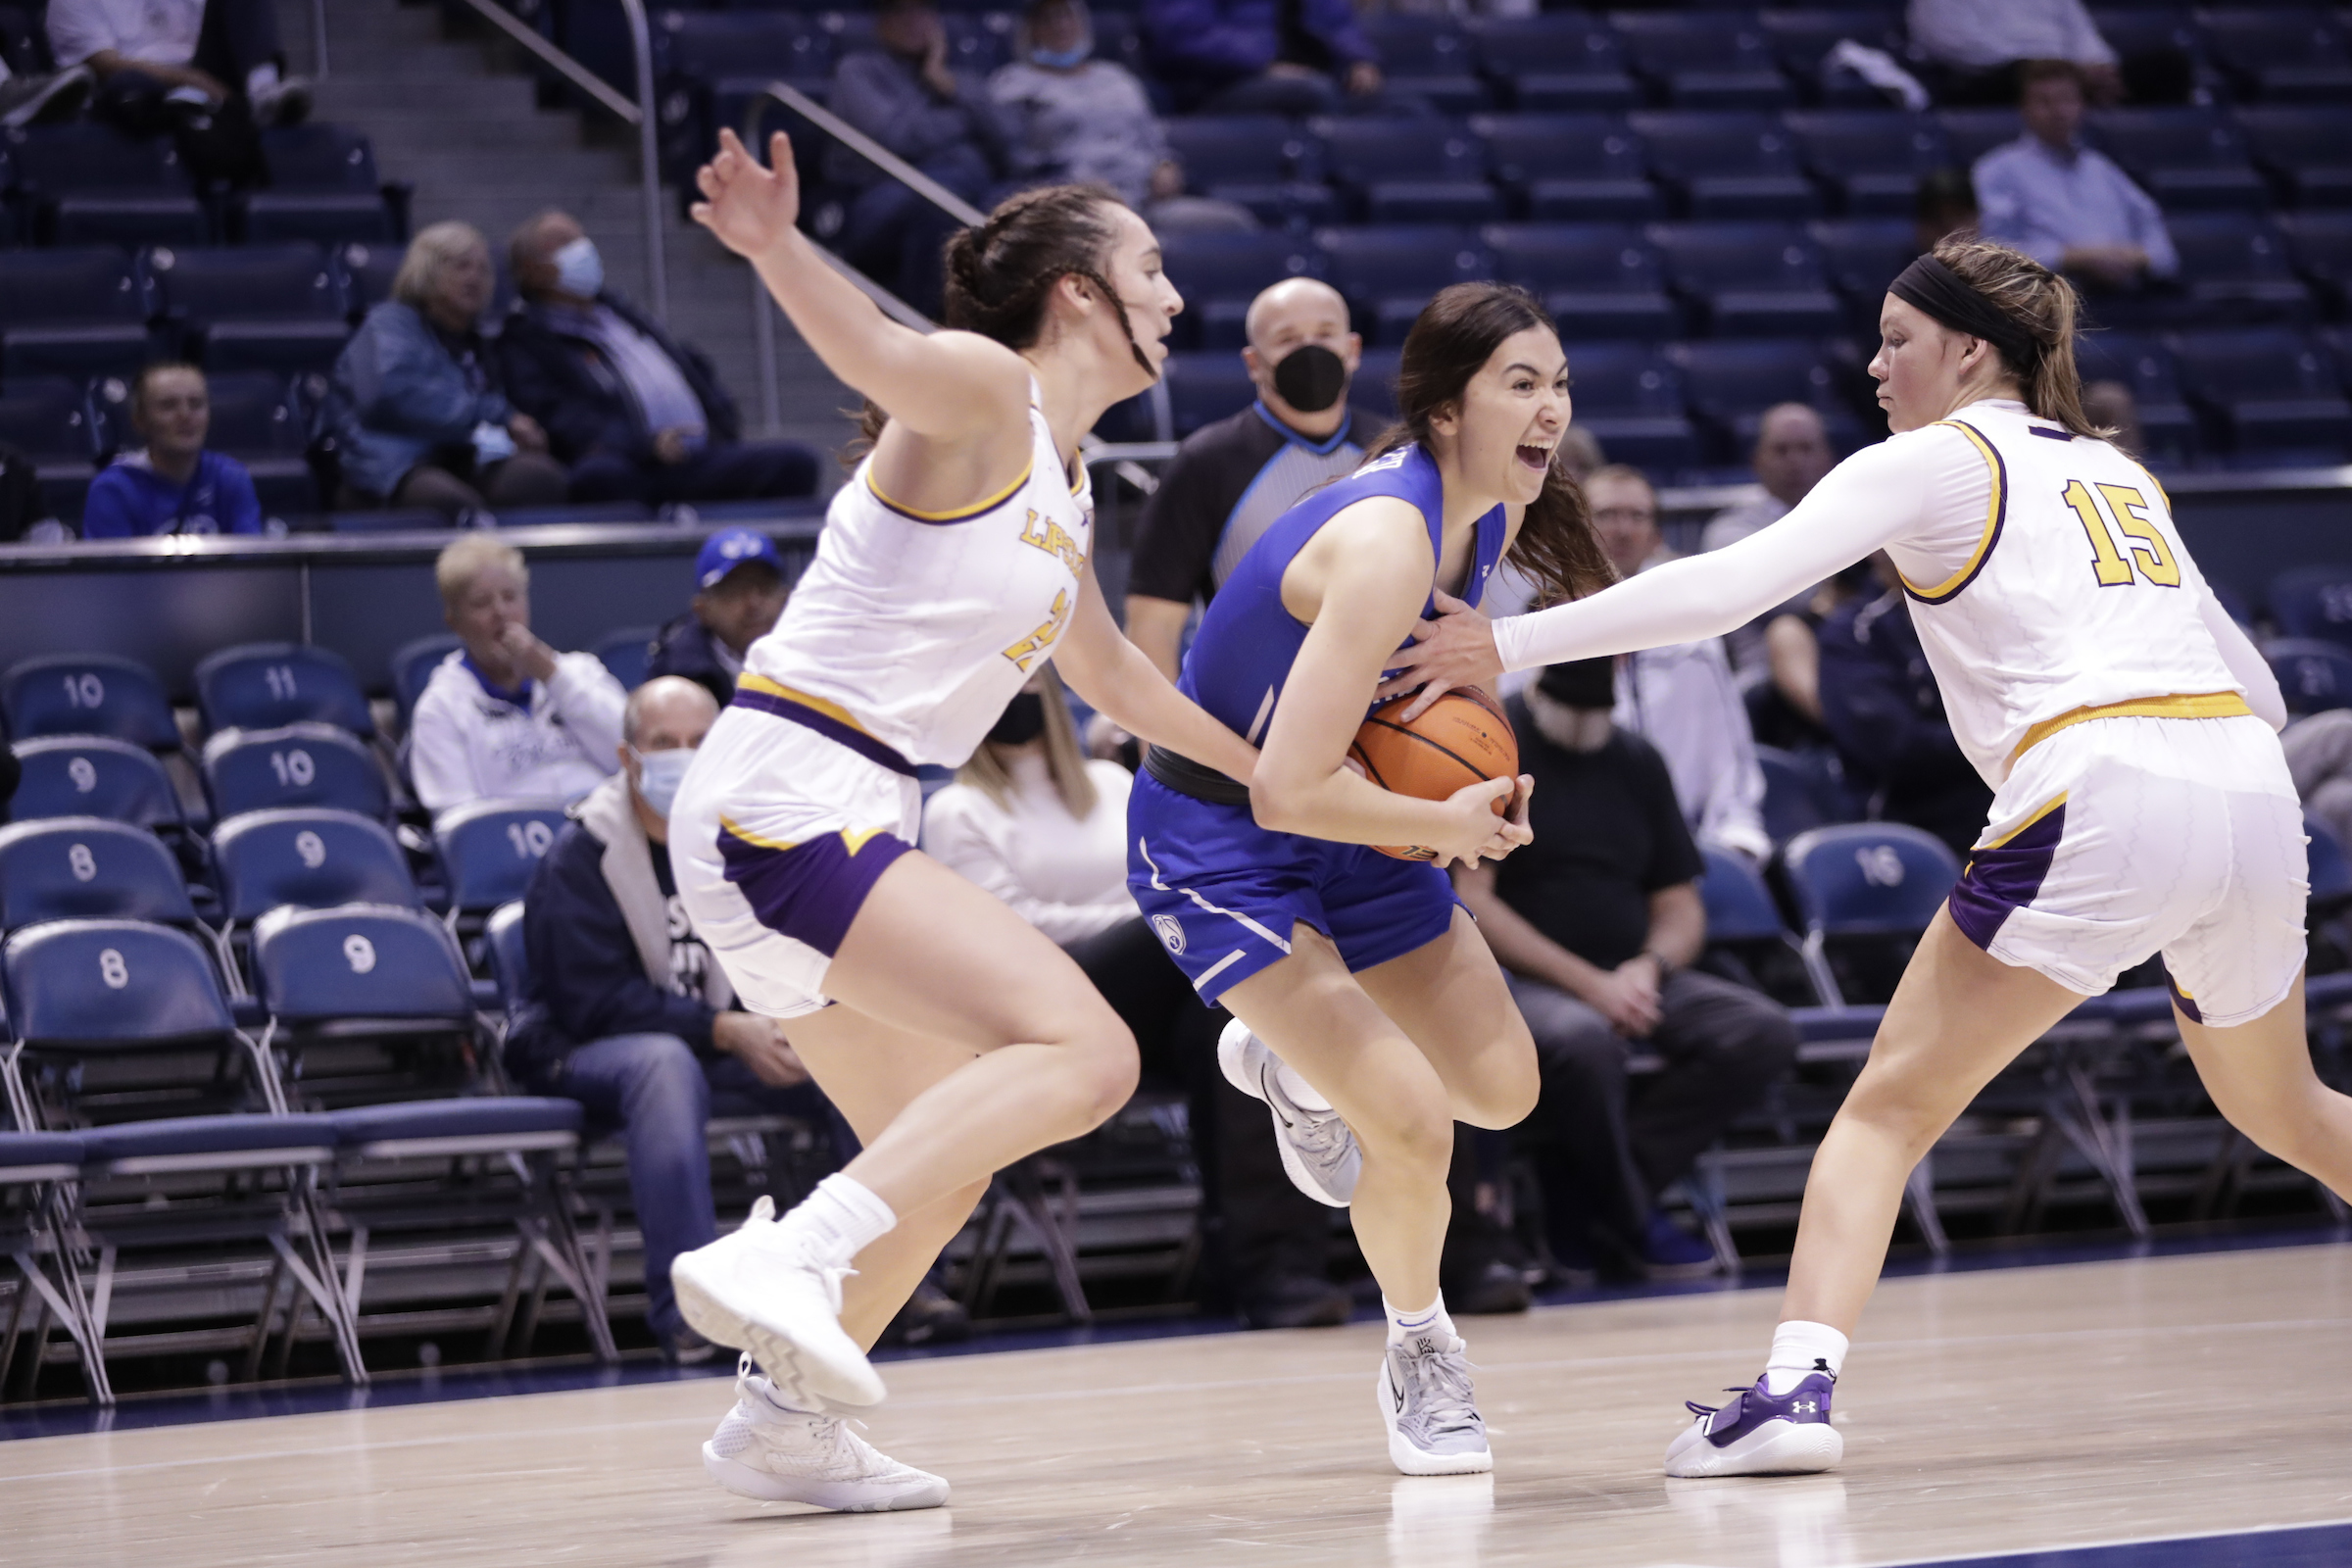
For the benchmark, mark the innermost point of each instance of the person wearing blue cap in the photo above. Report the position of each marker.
(739, 591)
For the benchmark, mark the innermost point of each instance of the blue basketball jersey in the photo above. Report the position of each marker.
(1248, 640)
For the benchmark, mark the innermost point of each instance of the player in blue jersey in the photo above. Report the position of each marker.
(1370, 1015)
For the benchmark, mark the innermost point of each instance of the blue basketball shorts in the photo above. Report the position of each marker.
(1223, 895)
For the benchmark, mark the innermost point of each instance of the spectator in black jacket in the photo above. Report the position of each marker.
(1881, 705)
(628, 1015)
(637, 414)
(739, 591)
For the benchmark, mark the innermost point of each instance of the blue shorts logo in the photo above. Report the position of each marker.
(1171, 933)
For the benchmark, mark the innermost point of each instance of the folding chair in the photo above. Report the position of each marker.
(88, 693)
(298, 764)
(489, 851)
(263, 686)
(37, 1172)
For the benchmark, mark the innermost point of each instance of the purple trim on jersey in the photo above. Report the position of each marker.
(2000, 520)
(1806, 1405)
(2004, 877)
(825, 724)
(2183, 1000)
(810, 892)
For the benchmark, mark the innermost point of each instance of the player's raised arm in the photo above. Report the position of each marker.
(946, 386)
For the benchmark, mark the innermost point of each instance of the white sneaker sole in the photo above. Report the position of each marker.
(1776, 1449)
(840, 1496)
(1413, 1461)
(804, 1373)
(1233, 1052)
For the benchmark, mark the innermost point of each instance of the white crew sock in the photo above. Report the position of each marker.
(1431, 1320)
(1799, 1350)
(842, 1216)
(260, 81)
(1303, 1094)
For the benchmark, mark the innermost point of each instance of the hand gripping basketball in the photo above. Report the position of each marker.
(1461, 752)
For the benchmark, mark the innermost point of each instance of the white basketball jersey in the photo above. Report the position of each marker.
(2049, 578)
(919, 627)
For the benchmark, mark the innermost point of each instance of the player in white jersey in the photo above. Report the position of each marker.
(2127, 724)
(952, 1035)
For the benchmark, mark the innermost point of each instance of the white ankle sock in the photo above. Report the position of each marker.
(1799, 1350)
(843, 1216)
(1303, 1094)
(1430, 1319)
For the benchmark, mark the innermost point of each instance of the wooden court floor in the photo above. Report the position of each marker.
(1984, 1412)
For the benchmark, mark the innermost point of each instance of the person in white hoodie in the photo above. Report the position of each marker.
(506, 716)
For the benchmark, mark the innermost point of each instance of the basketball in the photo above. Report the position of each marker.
(1462, 739)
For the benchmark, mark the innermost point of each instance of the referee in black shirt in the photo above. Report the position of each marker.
(1231, 480)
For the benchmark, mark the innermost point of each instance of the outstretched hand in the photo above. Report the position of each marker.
(1457, 648)
(750, 208)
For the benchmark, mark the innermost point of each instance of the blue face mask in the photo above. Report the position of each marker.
(580, 269)
(659, 775)
(1062, 59)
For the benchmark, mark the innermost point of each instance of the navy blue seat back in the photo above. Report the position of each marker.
(1525, 147)
(1629, 396)
(627, 652)
(1388, 272)
(490, 850)
(1204, 389)
(1792, 806)
(1739, 907)
(48, 418)
(1559, 61)
(88, 693)
(1873, 157)
(2141, 362)
(1684, 146)
(2309, 148)
(2313, 675)
(359, 961)
(1708, 258)
(1220, 271)
(270, 685)
(2314, 602)
(1731, 383)
(298, 764)
(249, 282)
(253, 414)
(1596, 280)
(509, 959)
(93, 775)
(1706, 59)
(1429, 57)
(1971, 134)
(320, 158)
(412, 665)
(2186, 157)
(98, 983)
(55, 160)
(1236, 148)
(1869, 878)
(69, 286)
(88, 868)
(1362, 151)
(367, 271)
(2288, 53)
(2330, 870)
(310, 858)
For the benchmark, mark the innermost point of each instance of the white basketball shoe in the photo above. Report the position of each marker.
(1425, 1401)
(769, 1288)
(766, 1450)
(1318, 1148)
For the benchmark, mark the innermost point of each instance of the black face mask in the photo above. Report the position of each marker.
(1310, 377)
(1023, 720)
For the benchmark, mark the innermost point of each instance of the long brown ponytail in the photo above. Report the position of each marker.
(1453, 338)
(2043, 304)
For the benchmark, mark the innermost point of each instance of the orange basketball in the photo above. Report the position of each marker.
(1463, 738)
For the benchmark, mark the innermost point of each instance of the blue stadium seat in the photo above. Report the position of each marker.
(1204, 389)
(490, 849)
(269, 685)
(2190, 158)
(1262, 161)
(367, 271)
(1570, 167)
(1561, 60)
(246, 282)
(1728, 165)
(412, 665)
(2329, 868)
(1731, 383)
(2320, 246)
(1791, 805)
(981, 43)
(1749, 279)
(318, 157)
(711, 64)
(111, 983)
(1705, 59)
(2237, 271)
(1430, 57)
(2314, 675)
(626, 652)
(322, 189)
(88, 868)
(2282, 55)
(510, 959)
(1219, 273)
(1801, 40)
(1629, 397)
(310, 857)
(76, 311)
(2269, 394)
(1872, 158)
(1374, 388)
(295, 764)
(1596, 280)
(1388, 272)
(2314, 602)
(1864, 881)
(1739, 907)
(2307, 150)
(1861, 256)
(2143, 362)
(89, 185)
(93, 775)
(1409, 171)
(48, 420)
(88, 693)
(1971, 134)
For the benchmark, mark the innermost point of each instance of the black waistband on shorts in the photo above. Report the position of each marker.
(1188, 778)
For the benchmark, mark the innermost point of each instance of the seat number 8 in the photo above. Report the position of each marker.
(112, 970)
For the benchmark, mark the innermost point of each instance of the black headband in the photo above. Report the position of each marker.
(1944, 295)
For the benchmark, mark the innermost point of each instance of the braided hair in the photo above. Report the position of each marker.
(1001, 273)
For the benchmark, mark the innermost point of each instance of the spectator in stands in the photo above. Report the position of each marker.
(506, 716)
(2112, 405)
(635, 414)
(1230, 481)
(1072, 118)
(903, 94)
(1790, 455)
(208, 72)
(2319, 754)
(171, 485)
(1032, 821)
(1945, 205)
(739, 591)
(415, 405)
(627, 1013)
(1682, 698)
(1882, 708)
(2067, 205)
(1598, 923)
(1971, 51)
(1272, 57)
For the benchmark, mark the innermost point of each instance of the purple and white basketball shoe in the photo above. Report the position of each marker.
(1760, 1433)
